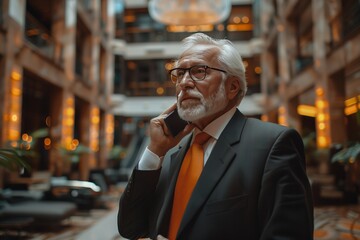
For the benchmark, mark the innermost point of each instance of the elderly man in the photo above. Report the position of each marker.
(224, 176)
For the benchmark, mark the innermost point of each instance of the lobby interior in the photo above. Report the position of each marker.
(80, 79)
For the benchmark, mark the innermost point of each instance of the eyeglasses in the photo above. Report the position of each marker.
(197, 73)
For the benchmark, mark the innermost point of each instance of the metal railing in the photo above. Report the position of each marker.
(37, 34)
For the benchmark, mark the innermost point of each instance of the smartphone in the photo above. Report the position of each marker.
(175, 123)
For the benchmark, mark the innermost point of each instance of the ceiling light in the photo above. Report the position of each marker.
(189, 12)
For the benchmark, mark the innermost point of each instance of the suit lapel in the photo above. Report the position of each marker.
(221, 157)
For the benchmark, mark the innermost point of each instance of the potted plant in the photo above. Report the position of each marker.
(349, 157)
(25, 149)
(11, 161)
(72, 156)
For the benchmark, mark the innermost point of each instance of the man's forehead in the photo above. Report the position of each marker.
(202, 51)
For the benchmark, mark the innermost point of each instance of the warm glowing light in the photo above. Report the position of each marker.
(193, 28)
(236, 19)
(47, 141)
(322, 142)
(72, 147)
(173, 28)
(69, 111)
(190, 28)
(257, 70)
(15, 75)
(320, 104)
(350, 101)
(130, 18)
(240, 27)
(16, 91)
(69, 101)
(321, 126)
(69, 122)
(14, 134)
(281, 110)
(321, 117)
(319, 91)
(95, 119)
(246, 64)
(306, 110)
(264, 118)
(169, 66)
(109, 129)
(14, 117)
(245, 19)
(350, 110)
(160, 90)
(94, 129)
(75, 142)
(189, 12)
(25, 137)
(282, 118)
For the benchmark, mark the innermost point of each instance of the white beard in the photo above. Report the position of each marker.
(195, 111)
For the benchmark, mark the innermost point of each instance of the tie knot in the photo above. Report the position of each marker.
(201, 138)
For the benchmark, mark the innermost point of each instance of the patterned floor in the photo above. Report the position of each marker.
(331, 223)
(337, 223)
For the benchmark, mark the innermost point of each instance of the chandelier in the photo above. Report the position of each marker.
(189, 12)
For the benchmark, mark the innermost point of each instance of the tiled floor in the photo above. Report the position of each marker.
(331, 223)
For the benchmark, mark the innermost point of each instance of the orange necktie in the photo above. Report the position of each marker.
(189, 173)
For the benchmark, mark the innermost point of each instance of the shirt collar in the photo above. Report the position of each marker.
(215, 128)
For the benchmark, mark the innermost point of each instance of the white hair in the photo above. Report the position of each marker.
(229, 58)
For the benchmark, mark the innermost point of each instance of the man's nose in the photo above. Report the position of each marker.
(186, 80)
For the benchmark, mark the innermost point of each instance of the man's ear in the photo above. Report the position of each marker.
(233, 87)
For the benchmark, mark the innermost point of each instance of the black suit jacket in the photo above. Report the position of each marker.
(253, 186)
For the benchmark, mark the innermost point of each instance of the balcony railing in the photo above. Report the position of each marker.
(137, 34)
(37, 34)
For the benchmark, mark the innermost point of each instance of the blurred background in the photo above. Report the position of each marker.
(80, 79)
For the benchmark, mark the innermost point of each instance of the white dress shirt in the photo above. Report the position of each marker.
(151, 161)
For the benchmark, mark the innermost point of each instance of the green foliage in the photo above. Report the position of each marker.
(348, 155)
(116, 153)
(10, 160)
(26, 149)
(74, 155)
(16, 154)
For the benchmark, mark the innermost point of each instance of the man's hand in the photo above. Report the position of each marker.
(161, 139)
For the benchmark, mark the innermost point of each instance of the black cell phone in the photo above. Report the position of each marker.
(175, 123)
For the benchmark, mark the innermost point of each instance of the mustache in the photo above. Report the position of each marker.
(189, 93)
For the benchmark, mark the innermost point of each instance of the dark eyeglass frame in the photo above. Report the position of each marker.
(175, 79)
